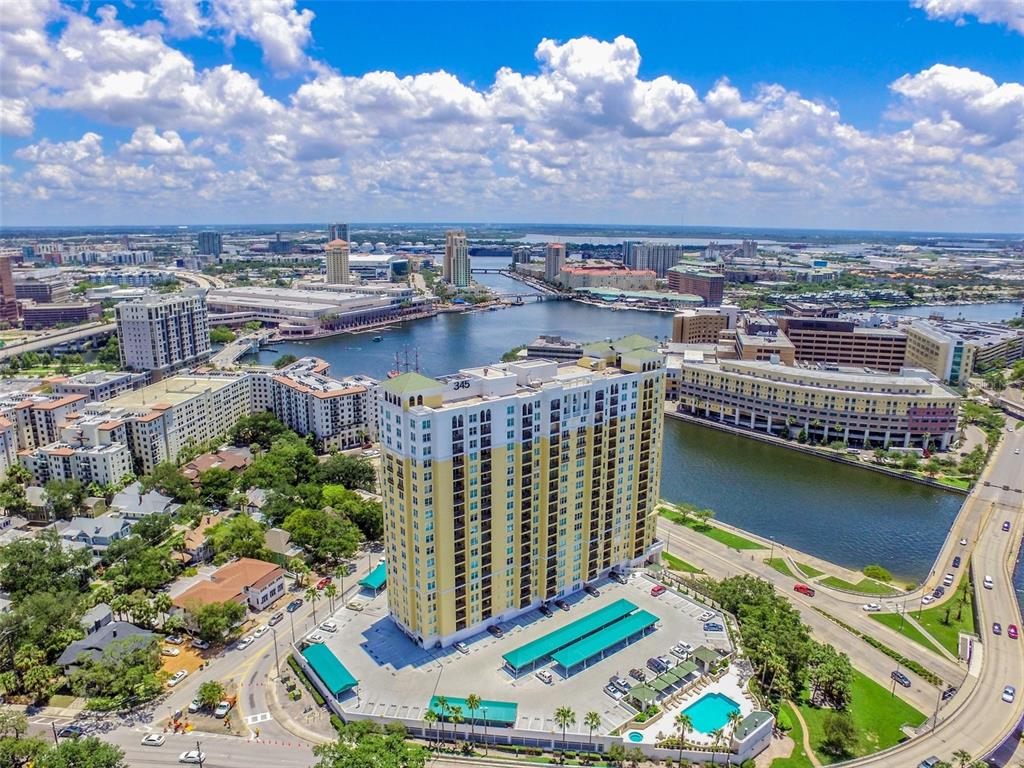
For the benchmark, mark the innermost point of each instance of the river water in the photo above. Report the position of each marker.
(840, 513)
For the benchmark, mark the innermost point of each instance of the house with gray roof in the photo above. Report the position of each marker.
(97, 533)
(128, 636)
(133, 504)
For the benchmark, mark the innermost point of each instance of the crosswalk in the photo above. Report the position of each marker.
(262, 717)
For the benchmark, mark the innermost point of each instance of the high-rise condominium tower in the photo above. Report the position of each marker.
(554, 260)
(456, 259)
(515, 483)
(164, 332)
(336, 254)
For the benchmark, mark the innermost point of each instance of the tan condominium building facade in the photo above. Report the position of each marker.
(512, 484)
(456, 268)
(954, 349)
(336, 257)
(703, 326)
(843, 342)
(869, 410)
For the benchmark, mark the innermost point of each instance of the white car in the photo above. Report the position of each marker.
(706, 616)
(963, 542)
(927, 600)
(544, 676)
(202, 645)
(195, 705)
(177, 677)
(354, 606)
(192, 756)
(261, 631)
(1009, 693)
(871, 607)
(461, 647)
(222, 709)
(987, 582)
(316, 637)
(153, 740)
(169, 650)
(244, 643)
(329, 626)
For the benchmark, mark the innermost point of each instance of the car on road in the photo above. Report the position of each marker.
(495, 630)
(1016, 451)
(619, 577)
(276, 619)
(153, 740)
(871, 607)
(261, 631)
(1011, 631)
(929, 762)
(612, 691)
(323, 582)
(803, 589)
(461, 647)
(544, 676)
(174, 639)
(294, 605)
(963, 542)
(997, 628)
(927, 600)
(900, 678)
(619, 682)
(562, 604)
(354, 606)
(202, 645)
(638, 674)
(316, 637)
(938, 592)
(949, 693)
(546, 610)
(195, 705)
(706, 616)
(713, 626)
(947, 580)
(1006, 525)
(591, 590)
(244, 643)
(165, 651)
(656, 666)
(987, 582)
(70, 732)
(193, 756)
(657, 589)
(222, 709)
(177, 677)
(329, 626)
(956, 561)
(1009, 694)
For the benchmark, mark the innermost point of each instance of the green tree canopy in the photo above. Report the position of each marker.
(123, 675)
(214, 621)
(326, 535)
(65, 496)
(42, 564)
(169, 481)
(87, 752)
(368, 516)
(347, 471)
(259, 428)
(238, 536)
(218, 484)
(133, 564)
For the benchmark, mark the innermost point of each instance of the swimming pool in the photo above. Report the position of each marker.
(711, 712)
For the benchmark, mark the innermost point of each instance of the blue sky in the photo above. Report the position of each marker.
(890, 114)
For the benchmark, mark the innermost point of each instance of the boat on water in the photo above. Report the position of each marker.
(378, 338)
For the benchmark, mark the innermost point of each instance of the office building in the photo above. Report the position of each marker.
(456, 268)
(9, 311)
(164, 332)
(211, 243)
(36, 316)
(46, 289)
(97, 386)
(546, 347)
(953, 349)
(512, 484)
(703, 325)
(866, 410)
(834, 341)
(757, 338)
(338, 232)
(657, 257)
(709, 285)
(336, 254)
(554, 260)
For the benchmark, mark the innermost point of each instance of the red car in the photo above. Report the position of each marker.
(803, 589)
(657, 589)
(324, 582)
(1011, 631)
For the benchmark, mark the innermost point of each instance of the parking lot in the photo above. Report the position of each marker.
(397, 678)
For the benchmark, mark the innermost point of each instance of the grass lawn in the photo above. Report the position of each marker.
(677, 564)
(955, 482)
(932, 619)
(877, 716)
(809, 570)
(731, 540)
(865, 585)
(780, 565)
(60, 700)
(53, 370)
(892, 620)
(797, 758)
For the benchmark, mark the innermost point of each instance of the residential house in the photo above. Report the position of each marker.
(93, 645)
(96, 618)
(231, 459)
(97, 533)
(195, 547)
(246, 581)
(94, 506)
(279, 542)
(39, 508)
(133, 504)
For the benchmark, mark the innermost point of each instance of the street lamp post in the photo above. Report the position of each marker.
(199, 753)
(277, 659)
(291, 618)
(771, 556)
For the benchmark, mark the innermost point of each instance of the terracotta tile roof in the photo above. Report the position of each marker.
(53, 404)
(230, 581)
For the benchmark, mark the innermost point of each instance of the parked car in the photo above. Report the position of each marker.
(544, 676)
(871, 607)
(1006, 525)
(546, 610)
(987, 582)
(706, 616)
(1011, 631)
(461, 647)
(222, 709)
(949, 693)
(329, 626)
(153, 740)
(193, 756)
(1009, 693)
(177, 677)
(195, 705)
(667, 661)
(900, 678)
(276, 619)
(70, 732)
(619, 682)
(169, 651)
(323, 582)
(612, 691)
(619, 577)
(680, 652)
(174, 639)
(261, 631)
(803, 589)
(929, 762)
(202, 645)
(655, 665)
(316, 637)
(591, 590)
(638, 674)
(956, 561)
(562, 604)
(294, 605)
(713, 626)
(657, 589)
(997, 628)
(354, 606)
(495, 630)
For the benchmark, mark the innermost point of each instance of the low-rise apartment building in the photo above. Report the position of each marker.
(100, 385)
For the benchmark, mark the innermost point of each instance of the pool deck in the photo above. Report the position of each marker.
(728, 685)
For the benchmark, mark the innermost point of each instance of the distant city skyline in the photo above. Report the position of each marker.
(882, 116)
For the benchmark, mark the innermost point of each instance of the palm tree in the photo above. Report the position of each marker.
(565, 717)
(119, 604)
(430, 718)
(592, 720)
(473, 703)
(162, 604)
(685, 725)
(442, 710)
(963, 756)
(717, 735)
(456, 719)
(331, 592)
(735, 718)
(313, 594)
(102, 593)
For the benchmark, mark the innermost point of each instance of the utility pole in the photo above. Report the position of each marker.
(54, 727)
(291, 618)
(277, 659)
(199, 753)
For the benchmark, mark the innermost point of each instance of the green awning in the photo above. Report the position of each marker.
(601, 641)
(659, 684)
(501, 713)
(376, 578)
(685, 669)
(642, 693)
(329, 669)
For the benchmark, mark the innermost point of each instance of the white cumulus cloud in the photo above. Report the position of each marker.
(1007, 12)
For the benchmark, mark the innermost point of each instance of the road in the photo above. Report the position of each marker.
(56, 338)
(229, 354)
